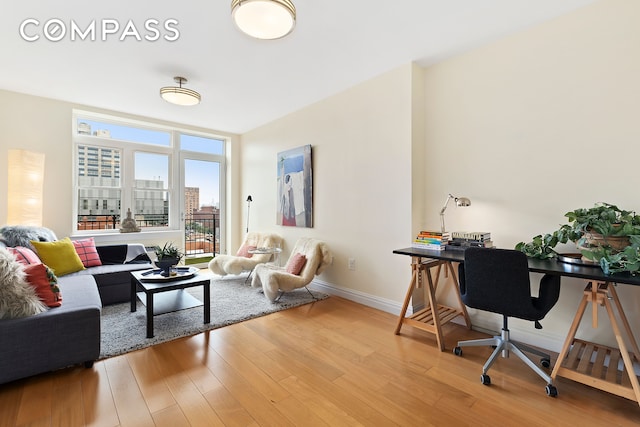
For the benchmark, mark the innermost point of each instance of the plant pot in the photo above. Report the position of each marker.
(165, 264)
(618, 243)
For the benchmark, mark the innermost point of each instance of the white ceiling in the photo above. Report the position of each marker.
(244, 82)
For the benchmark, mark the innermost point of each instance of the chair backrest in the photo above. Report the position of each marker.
(497, 280)
(317, 253)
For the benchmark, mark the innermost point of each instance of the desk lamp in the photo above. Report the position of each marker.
(460, 201)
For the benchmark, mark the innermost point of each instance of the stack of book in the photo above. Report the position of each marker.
(434, 240)
(461, 240)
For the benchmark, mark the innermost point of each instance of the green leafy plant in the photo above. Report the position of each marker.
(608, 224)
(169, 250)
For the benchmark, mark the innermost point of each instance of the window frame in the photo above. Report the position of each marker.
(127, 166)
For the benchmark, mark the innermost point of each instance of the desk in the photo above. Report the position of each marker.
(579, 360)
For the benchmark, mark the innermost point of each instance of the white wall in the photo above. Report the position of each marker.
(44, 125)
(361, 141)
(536, 125)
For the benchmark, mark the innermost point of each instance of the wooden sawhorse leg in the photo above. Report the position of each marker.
(594, 364)
(432, 317)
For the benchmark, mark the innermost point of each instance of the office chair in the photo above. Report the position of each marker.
(497, 280)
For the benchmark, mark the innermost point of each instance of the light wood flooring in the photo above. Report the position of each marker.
(330, 363)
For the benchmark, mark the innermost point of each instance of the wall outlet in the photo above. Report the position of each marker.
(352, 264)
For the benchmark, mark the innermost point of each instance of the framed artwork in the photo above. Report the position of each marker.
(295, 188)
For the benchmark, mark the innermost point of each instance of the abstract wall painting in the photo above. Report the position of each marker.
(295, 189)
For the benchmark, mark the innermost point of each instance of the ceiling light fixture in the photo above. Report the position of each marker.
(264, 19)
(179, 95)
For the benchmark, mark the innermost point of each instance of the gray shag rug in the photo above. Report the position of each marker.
(232, 301)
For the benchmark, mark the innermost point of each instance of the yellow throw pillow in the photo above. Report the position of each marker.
(60, 256)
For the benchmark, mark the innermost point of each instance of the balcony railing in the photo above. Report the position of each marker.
(202, 234)
(202, 229)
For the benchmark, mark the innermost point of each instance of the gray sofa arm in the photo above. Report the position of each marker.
(59, 337)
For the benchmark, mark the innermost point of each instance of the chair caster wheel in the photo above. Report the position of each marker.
(545, 362)
(486, 379)
(457, 351)
(551, 390)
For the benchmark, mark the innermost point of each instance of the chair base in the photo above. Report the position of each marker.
(503, 344)
(280, 293)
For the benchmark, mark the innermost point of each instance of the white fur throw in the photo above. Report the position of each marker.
(17, 297)
(229, 264)
(274, 279)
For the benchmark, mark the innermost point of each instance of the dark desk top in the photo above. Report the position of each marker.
(547, 266)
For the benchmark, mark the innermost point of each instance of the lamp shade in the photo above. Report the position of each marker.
(264, 19)
(462, 202)
(179, 95)
(25, 187)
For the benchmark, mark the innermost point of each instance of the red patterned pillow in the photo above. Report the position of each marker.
(45, 283)
(86, 249)
(244, 251)
(24, 255)
(296, 264)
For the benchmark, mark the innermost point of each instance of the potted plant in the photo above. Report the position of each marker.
(167, 256)
(604, 234)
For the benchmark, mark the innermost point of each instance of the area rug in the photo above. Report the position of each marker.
(232, 301)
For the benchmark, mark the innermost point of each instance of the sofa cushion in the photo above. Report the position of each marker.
(17, 297)
(114, 281)
(24, 255)
(86, 249)
(60, 255)
(45, 284)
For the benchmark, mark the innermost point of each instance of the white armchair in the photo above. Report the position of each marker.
(308, 258)
(229, 264)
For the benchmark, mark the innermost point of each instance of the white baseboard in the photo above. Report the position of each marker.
(482, 321)
(372, 301)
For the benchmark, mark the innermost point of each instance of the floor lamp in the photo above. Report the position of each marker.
(249, 200)
(25, 187)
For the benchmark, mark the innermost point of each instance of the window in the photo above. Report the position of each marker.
(123, 165)
(151, 193)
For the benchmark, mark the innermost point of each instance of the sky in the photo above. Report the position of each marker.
(151, 166)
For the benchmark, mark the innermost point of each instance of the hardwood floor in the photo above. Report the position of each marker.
(330, 363)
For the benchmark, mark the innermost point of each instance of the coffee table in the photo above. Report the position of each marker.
(166, 295)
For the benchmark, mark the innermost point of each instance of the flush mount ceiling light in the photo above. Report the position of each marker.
(264, 19)
(179, 95)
